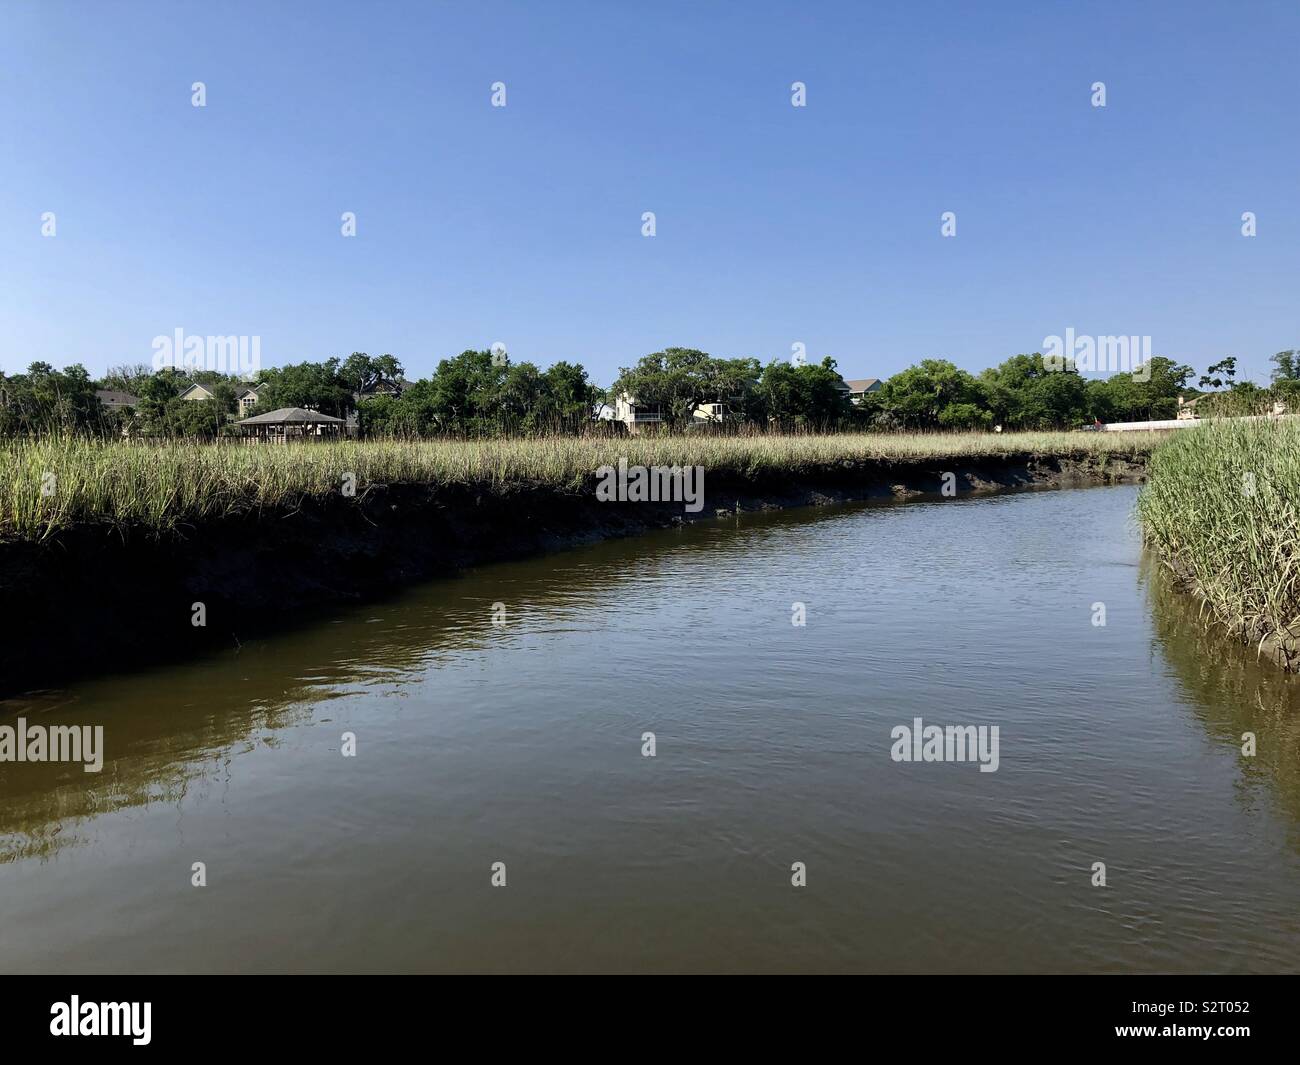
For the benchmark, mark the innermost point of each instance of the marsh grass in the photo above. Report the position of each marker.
(160, 486)
(1222, 508)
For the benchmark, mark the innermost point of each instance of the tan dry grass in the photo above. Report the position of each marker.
(160, 486)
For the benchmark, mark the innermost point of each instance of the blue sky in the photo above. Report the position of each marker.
(522, 224)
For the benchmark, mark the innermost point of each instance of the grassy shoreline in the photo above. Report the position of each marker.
(265, 539)
(160, 487)
(1222, 510)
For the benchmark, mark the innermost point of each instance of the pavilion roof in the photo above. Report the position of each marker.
(292, 416)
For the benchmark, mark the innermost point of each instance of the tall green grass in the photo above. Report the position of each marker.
(1222, 507)
(162, 486)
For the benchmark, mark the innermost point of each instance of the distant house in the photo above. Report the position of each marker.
(383, 388)
(1187, 408)
(728, 410)
(860, 387)
(114, 400)
(246, 398)
(714, 413)
(636, 415)
(724, 408)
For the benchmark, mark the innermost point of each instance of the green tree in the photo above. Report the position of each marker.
(1286, 366)
(360, 372)
(312, 385)
(1221, 372)
(466, 397)
(1148, 393)
(570, 396)
(1023, 393)
(46, 400)
(917, 397)
(127, 377)
(811, 396)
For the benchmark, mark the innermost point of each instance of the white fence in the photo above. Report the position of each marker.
(1170, 423)
(1188, 423)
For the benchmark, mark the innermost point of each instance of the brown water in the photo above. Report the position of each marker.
(522, 744)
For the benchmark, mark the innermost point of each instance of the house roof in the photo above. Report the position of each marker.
(186, 391)
(861, 384)
(247, 389)
(113, 396)
(291, 416)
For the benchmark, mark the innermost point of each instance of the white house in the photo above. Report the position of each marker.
(722, 411)
(714, 413)
(636, 415)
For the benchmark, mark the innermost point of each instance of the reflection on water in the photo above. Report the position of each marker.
(178, 725)
(1231, 691)
(522, 744)
(158, 749)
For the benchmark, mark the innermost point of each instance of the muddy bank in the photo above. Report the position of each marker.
(102, 599)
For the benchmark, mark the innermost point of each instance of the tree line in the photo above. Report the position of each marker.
(483, 393)
(1024, 392)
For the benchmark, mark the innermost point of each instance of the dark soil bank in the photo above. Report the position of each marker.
(100, 599)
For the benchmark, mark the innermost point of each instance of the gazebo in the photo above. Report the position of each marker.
(291, 423)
